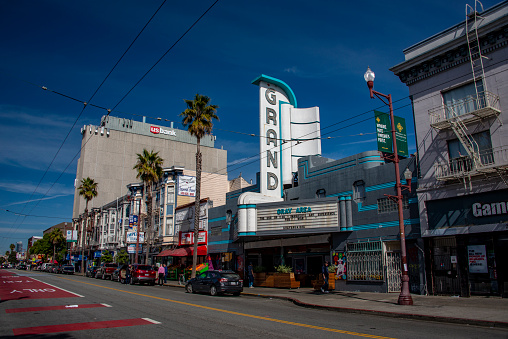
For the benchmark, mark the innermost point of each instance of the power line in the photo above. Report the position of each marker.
(163, 55)
(32, 215)
(75, 122)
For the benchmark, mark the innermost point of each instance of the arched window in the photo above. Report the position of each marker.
(359, 191)
(321, 193)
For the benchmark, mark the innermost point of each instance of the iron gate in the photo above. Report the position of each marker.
(393, 272)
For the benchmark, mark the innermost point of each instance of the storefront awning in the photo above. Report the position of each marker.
(164, 253)
(183, 252)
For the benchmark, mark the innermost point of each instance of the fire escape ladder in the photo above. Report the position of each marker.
(470, 145)
(473, 20)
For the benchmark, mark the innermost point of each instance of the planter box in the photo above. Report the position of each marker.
(317, 284)
(281, 280)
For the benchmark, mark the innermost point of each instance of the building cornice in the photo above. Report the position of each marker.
(446, 57)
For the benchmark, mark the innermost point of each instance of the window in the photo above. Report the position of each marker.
(387, 205)
(169, 226)
(171, 195)
(365, 261)
(321, 193)
(359, 191)
(463, 99)
(459, 159)
(229, 215)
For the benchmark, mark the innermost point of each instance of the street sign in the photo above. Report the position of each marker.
(384, 134)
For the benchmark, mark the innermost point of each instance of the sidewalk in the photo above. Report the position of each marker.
(480, 311)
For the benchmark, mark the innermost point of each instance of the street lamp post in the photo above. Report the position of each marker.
(405, 295)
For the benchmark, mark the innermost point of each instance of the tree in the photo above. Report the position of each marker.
(122, 257)
(12, 247)
(149, 169)
(87, 189)
(106, 257)
(42, 246)
(12, 258)
(56, 238)
(198, 118)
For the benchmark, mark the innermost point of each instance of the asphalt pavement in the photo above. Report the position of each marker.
(477, 310)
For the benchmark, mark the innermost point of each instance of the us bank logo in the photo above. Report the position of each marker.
(159, 130)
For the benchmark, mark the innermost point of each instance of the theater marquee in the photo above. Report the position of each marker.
(309, 215)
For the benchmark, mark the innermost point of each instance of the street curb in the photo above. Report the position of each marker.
(462, 321)
(451, 320)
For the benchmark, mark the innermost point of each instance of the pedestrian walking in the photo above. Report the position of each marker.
(128, 274)
(165, 273)
(250, 273)
(324, 272)
(161, 275)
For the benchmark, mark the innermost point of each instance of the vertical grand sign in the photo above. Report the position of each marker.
(270, 97)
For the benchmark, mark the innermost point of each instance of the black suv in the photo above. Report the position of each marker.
(216, 282)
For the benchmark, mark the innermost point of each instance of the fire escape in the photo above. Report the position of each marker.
(459, 116)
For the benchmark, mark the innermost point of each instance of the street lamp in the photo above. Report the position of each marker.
(405, 295)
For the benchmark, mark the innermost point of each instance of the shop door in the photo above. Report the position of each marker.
(393, 272)
(444, 267)
(314, 265)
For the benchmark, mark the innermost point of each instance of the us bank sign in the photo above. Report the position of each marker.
(286, 134)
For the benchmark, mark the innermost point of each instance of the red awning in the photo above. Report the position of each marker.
(164, 253)
(183, 252)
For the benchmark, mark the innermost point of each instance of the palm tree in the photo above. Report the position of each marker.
(198, 118)
(149, 169)
(12, 247)
(56, 237)
(87, 189)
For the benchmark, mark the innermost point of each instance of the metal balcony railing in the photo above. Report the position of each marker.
(469, 109)
(490, 161)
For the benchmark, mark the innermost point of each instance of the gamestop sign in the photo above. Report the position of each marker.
(160, 130)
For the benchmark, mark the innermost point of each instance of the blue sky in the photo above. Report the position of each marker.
(321, 49)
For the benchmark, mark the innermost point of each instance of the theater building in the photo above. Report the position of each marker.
(308, 209)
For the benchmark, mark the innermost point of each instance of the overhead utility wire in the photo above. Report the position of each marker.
(162, 57)
(77, 119)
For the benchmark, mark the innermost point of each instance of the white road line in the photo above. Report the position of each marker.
(151, 320)
(106, 305)
(78, 295)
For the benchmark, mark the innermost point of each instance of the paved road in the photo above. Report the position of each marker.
(80, 307)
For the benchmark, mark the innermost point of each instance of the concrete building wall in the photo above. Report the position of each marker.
(108, 156)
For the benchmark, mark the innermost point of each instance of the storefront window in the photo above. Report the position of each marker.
(365, 261)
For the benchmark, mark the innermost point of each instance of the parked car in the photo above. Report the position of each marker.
(105, 271)
(22, 267)
(48, 267)
(143, 274)
(216, 282)
(120, 273)
(91, 271)
(66, 269)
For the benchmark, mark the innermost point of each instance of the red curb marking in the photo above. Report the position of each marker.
(81, 326)
(52, 308)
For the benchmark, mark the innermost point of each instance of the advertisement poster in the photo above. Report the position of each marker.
(71, 236)
(339, 261)
(477, 255)
(132, 237)
(187, 238)
(132, 248)
(187, 185)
